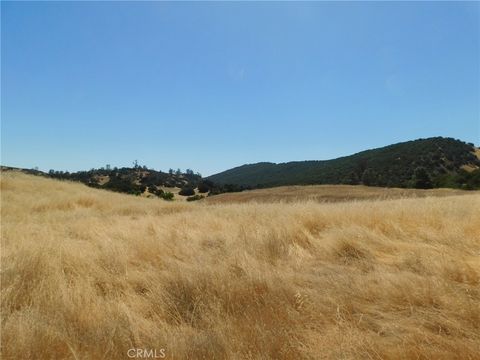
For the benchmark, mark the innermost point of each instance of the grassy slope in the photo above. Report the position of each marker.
(327, 193)
(88, 274)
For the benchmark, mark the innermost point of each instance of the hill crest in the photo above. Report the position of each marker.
(442, 162)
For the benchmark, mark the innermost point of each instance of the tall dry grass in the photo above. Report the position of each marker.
(327, 193)
(88, 274)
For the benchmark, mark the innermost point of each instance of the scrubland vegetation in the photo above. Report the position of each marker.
(89, 274)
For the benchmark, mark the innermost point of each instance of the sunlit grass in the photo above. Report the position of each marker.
(89, 274)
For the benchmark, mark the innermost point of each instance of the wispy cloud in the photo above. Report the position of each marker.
(236, 72)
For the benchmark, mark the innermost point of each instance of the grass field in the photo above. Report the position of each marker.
(89, 274)
(327, 193)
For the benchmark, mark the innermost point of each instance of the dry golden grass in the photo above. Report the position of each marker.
(477, 152)
(327, 193)
(88, 274)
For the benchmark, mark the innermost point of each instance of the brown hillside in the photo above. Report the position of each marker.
(328, 193)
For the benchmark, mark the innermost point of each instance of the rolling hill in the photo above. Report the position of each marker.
(90, 274)
(425, 163)
(137, 180)
(328, 194)
(422, 163)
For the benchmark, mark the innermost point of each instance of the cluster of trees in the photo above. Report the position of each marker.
(186, 191)
(165, 195)
(135, 180)
(120, 184)
(419, 179)
(422, 163)
(227, 188)
(462, 180)
(139, 179)
(208, 186)
(422, 178)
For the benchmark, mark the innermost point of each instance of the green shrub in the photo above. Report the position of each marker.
(167, 196)
(195, 197)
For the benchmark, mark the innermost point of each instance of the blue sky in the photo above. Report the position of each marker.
(210, 86)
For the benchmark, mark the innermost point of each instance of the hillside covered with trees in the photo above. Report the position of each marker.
(136, 180)
(422, 163)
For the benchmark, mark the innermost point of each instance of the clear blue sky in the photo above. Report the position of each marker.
(210, 86)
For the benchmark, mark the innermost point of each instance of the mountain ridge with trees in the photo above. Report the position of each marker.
(136, 180)
(422, 163)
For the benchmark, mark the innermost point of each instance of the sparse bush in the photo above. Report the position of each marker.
(166, 195)
(195, 197)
